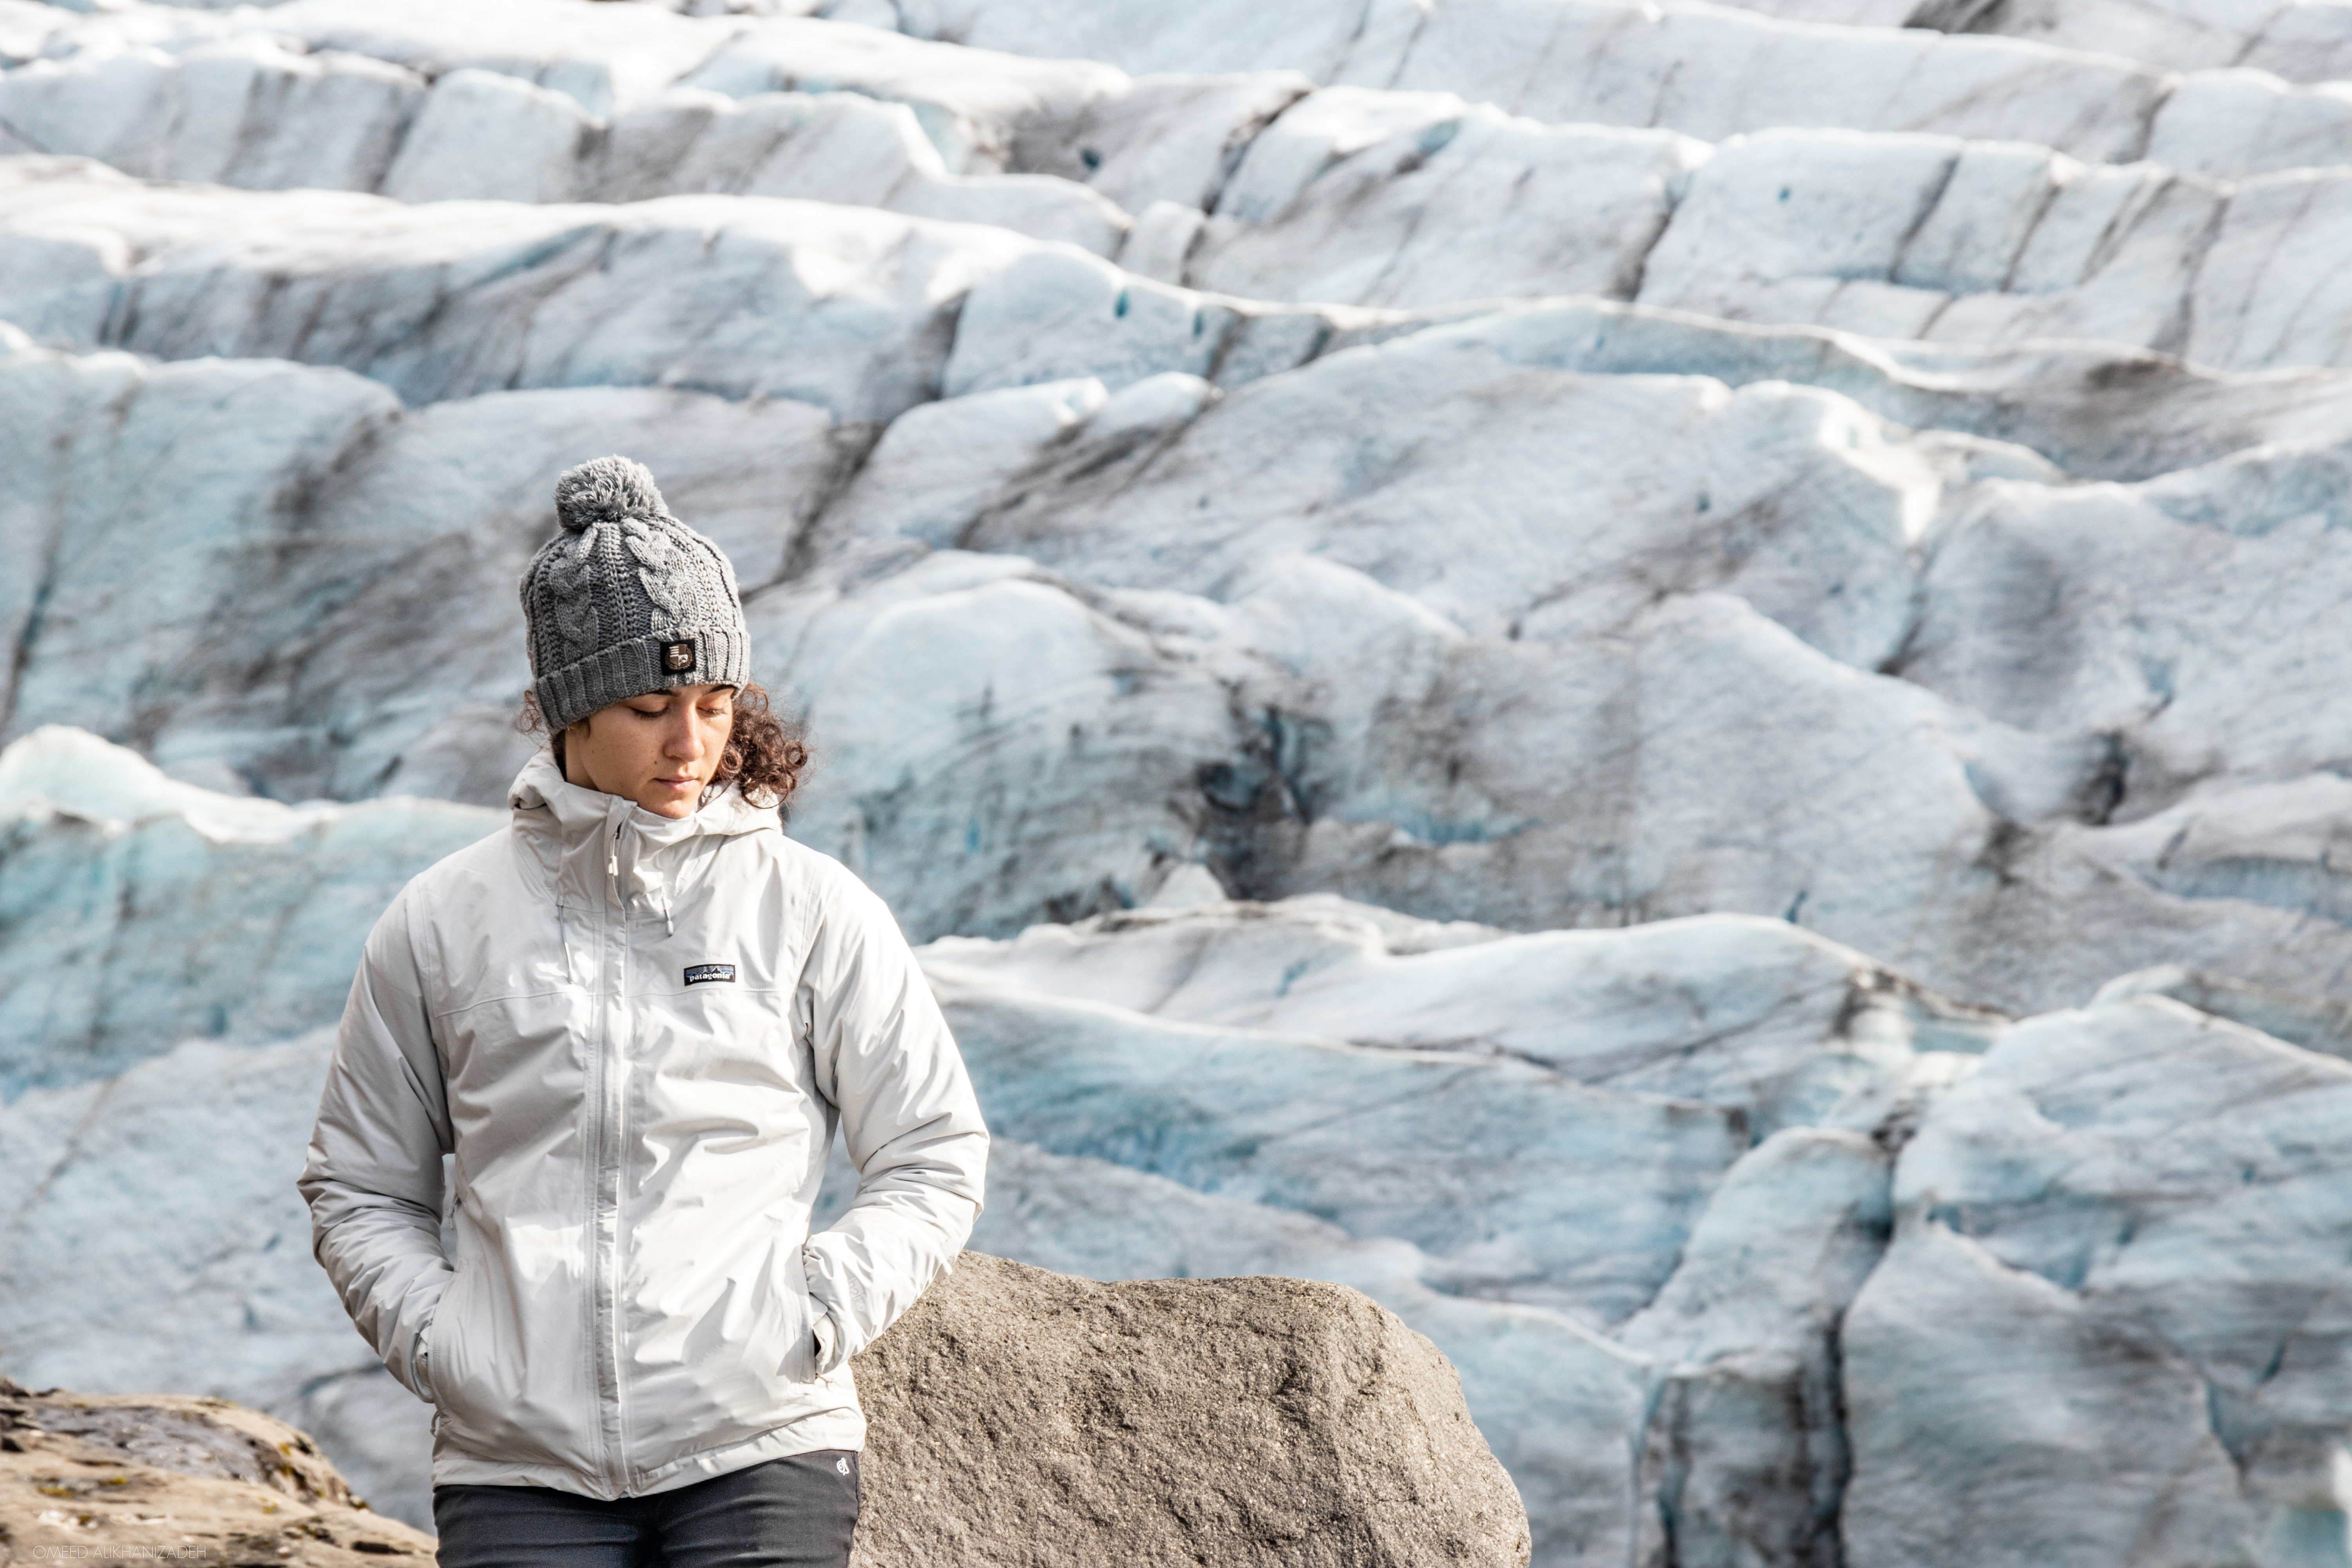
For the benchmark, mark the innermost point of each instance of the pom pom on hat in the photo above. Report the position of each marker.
(605, 489)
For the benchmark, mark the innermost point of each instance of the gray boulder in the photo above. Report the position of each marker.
(1022, 1418)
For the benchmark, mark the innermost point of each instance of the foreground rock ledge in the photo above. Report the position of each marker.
(1016, 1419)
(1022, 1419)
(158, 1479)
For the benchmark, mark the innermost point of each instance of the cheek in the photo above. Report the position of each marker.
(635, 748)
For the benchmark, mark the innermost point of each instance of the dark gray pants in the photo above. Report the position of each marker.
(796, 1512)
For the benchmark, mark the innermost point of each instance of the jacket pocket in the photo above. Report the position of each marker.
(798, 1309)
(442, 1349)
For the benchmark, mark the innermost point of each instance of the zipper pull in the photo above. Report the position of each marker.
(613, 855)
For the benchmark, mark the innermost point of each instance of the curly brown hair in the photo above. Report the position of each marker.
(766, 752)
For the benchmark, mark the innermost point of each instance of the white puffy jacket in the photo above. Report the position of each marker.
(636, 1036)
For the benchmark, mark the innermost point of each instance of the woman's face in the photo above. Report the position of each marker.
(658, 750)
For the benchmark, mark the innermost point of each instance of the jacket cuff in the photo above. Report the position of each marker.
(830, 1353)
(826, 1293)
(420, 1367)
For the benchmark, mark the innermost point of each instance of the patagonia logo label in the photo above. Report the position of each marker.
(696, 973)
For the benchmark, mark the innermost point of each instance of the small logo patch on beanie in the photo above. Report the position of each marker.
(678, 657)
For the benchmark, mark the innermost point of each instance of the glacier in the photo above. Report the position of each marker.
(1662, 681)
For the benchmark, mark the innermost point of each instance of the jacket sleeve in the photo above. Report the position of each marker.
(885, 1060)
(373, 1176)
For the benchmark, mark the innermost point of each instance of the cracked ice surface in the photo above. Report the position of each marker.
(1637, 1235)
(1269, 684)
(1499, 640)
(1892, 236)
(2128, 1219)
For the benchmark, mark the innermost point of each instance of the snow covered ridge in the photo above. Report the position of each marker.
(1350, 196)
(1734, 1233)
(1708, 71)
(1229, 183)
(2302, 40)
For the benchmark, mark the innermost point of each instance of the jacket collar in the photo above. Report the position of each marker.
(591, 843)
(579, 812)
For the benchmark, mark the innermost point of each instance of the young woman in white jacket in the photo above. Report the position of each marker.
(635, 1018)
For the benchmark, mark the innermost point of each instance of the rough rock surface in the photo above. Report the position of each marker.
(100, 1479)
(1024, 1419)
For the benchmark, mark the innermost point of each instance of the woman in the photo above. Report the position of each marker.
(634, 1017)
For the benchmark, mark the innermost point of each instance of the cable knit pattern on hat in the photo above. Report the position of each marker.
(626, 599)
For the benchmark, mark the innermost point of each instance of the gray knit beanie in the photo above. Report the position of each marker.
(626, 599)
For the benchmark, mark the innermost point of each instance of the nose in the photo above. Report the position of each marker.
(683, 738)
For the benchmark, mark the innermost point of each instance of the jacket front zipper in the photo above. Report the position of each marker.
(603, 1165)
(622, 1053)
